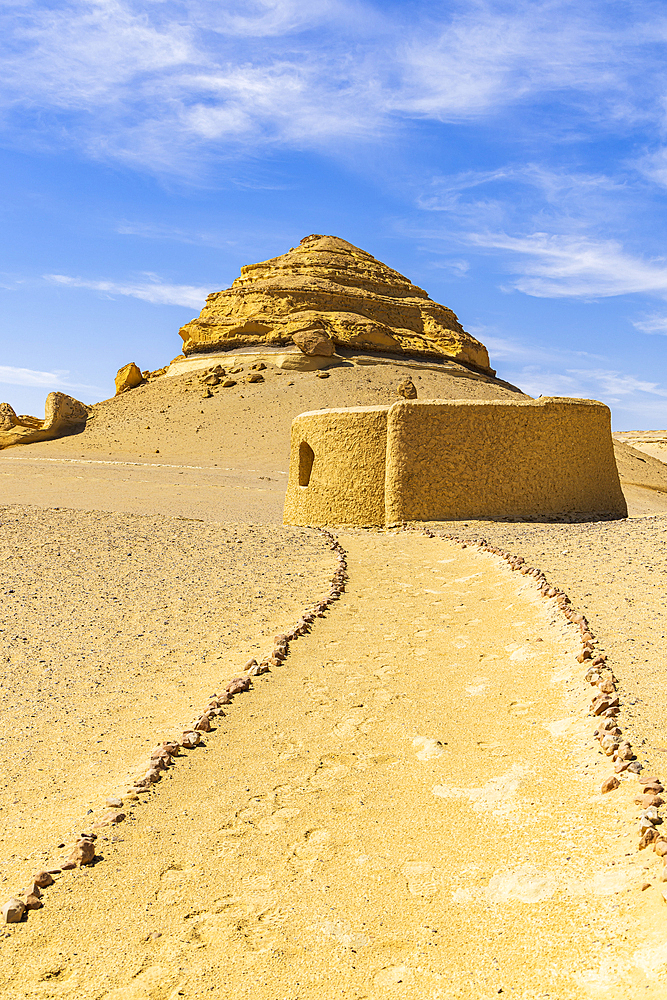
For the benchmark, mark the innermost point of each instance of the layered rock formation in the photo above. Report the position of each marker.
(329, 290)
(62, 415)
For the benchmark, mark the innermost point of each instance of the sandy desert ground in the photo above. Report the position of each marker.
(409, 806)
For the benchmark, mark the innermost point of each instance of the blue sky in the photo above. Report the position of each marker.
(511, 158)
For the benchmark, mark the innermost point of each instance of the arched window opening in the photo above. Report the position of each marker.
(306, 459)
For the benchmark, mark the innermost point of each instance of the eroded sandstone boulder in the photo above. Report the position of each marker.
(328, 289)
(128, 377)
(314, 340)
(62, 415)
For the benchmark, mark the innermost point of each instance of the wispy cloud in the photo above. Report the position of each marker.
(151, 290)
(553, 266)
(652, 324)
(161, 84)
(553, 231)
(9, 375)
(554, 371)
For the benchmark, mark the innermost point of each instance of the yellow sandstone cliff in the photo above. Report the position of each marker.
(326, 288)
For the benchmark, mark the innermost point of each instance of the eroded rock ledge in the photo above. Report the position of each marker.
(62, 415)
(326, 288)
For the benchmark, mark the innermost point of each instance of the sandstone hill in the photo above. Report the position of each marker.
(653, 443)
(328, 289)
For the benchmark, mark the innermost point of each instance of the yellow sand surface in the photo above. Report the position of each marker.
(113, 630)
(408, 807)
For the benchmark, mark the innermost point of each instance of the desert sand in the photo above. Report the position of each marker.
(408, 806)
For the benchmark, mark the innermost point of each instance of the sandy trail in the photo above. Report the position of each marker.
(408, 807)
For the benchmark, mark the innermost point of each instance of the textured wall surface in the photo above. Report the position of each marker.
(453, 459)
(346, 484)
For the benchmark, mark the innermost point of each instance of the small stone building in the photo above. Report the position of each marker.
(427, 460)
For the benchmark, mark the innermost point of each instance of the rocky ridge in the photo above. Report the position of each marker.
(327, 290)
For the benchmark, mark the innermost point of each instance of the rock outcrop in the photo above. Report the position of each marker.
(128, 377)
(62, 415)
(328, 289)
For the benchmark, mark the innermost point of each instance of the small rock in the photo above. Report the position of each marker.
(254, 377)
(13, 910)
(43, 880)
(227, 383)
(114, 817)
(651, 814)
(407, 389)
(259, 366)
(237, 685)
(83, 853)
(660, 847)
(203, 725)
(649, 836)
(251, 663)
(610, 784)
(114, 802)
(33, 902)
(190, 739)
(206, 394)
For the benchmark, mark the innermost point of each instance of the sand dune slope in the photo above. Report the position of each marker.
(247, 425)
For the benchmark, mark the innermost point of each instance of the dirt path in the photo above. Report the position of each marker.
(408, 807)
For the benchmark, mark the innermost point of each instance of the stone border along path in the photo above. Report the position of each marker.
(605, 705)
(164, 755)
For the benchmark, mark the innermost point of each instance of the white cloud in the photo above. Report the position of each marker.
(652, 324)
(151, 290)
(633, 401)
(552, 371)
(9, 375)
(162, 84)
(554, 266)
